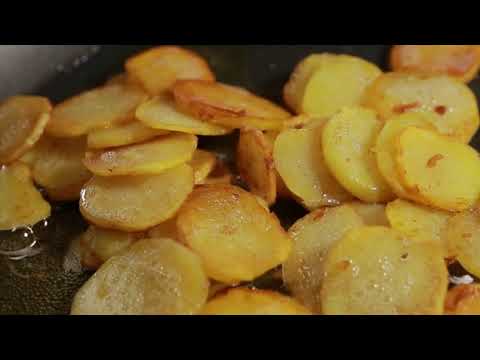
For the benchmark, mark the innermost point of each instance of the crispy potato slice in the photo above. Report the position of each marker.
(436, 171)
(236, 237)
(348, 140)
(322, 84)
(375, 270)
(151, 277)
(95, 109)
(255, 164)
(167, 229)
(22, 204)
(244, 301)
(447, 103)
(300, 162)
(371, 214)
(459, 61)
(463, 300)
(228, 106)
(203, 162)
(312, 236)
(159, 68)
(161, 113)
(136, 203)
(152, 157)
(22, 122)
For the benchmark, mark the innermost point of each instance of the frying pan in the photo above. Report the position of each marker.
(45, 283)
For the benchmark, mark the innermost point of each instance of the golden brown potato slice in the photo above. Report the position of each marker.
(95, 109)
(459, 61)
(244, 301)
(123, 79)
(236, 237)
(447, 103)
(463, 300)
(436, 171)
(371, 214)
(376, 271)
(348, 140)
(203, 162)
(151, 277)
(312, 236)
(167, 229)
(135, 203)
(221, 174)
(255, 164)
(21, 203)
(228, 106)
(159, 68)
(322, 84)
(22, 121)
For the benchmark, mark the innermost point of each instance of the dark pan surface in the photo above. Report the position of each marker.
(46, 283)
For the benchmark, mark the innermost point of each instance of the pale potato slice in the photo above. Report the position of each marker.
(348, 141)
(375, 270)
(151, 157)
(312, 236)
(228, 106)
(322, 84)
(151, 277)
(244, 301)
(22, 122)
(161, 113)
(436, 171)
(236, 237)
(447, 103)
(167, 229)
(255, 164)
(459, 61)
(95, 109)
(159, 68)
(57, 166)
(300, 162)
(135, 203)
(463, 300)
(121, 135)
(22, 204)
(371, 214)
(203, 162)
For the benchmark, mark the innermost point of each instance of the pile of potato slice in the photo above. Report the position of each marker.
(380, 161)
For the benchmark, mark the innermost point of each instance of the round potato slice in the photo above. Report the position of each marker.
(151, 277)
(312, 236)
(228, 106)
(348, 140)
(371, 214)
(95, 109)
(136, 203)
(375, 270)
(436, 171)
(159, 68)
(322, 84)
(463, 300)
(203, 163)
(236, 237)
(244, 301)
(167, 229)
(447, 103)
(152, 157)
(22, 122)
(255, 164)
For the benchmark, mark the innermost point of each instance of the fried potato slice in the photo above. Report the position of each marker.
(375, 270)
(22, 204)
(136, 203)
(244, 301)
(22, 122)
(371, 214)
(228, 106)
(447, 103)
(151, 277)
(312, 237)
(436, 171)
(95, 109)
(236, 237)
(282, 189)
(123, 79)
(157, 69)
(463, 300)
(301, 164)
(151, 157)
(166, 229)
(203, 163)
(161, 113)
(459, 61)
(348, 140)
(221, 174)
(322, 84)
(255, 164)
